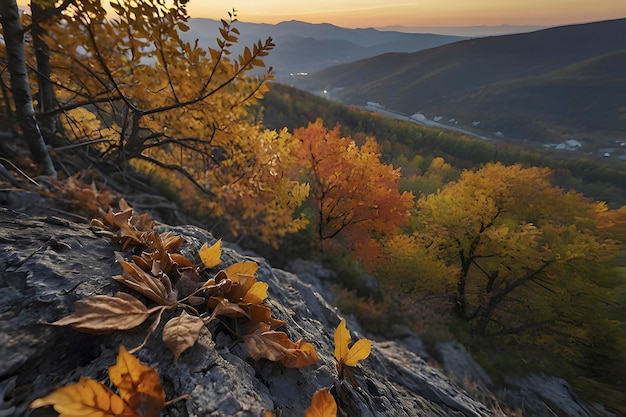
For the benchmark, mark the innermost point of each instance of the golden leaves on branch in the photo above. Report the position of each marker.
(140, 393)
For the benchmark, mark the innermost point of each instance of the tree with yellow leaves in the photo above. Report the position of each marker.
(516, 259)
(130, 87)
(515, 242)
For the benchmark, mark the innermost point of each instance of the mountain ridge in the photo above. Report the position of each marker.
(306, 47)
(447, 80)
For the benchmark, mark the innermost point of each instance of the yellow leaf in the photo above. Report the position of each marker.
(138, 384)
(245, 268)
(322, 405)
(256, 294)
(210, 256)
(86, 398)
(360, 350)
(342, 340)
(349, 357)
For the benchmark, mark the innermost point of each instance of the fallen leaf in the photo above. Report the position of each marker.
(104, 314)
(181, 333)
(322, 405)
(256, 293)
(138, 384)
(245, 268)
(245, 289)
(140, 393)
(223, 307)
(276, 346)
(170, 241)
(210, 256)
(263, 314)
(143, 282)
(86, 398)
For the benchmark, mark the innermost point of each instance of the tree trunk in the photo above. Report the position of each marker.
(42, 56)
(20, 86)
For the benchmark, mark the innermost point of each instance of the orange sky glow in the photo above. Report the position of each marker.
(416, 13)
(376, 13)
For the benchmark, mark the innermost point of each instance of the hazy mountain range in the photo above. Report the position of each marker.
(305, 47)
(561, 82)
(465, 31)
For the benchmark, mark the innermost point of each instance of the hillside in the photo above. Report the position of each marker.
(547, 85)
(601, 178)
(304, 47)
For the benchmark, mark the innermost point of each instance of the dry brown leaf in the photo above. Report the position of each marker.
(139, 385)
(181, 333)
(86, 398)
(104, 314)
(182, 261)
(276, 346)
(263, 314)
(146, 284)
(244, 289)
(322, 405)
(188, 281)
(222, 307)
(170, 241)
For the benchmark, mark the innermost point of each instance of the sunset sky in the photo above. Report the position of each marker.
(377, 13)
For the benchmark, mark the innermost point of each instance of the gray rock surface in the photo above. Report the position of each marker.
(544, 395)
(47, 263)
(457, 362)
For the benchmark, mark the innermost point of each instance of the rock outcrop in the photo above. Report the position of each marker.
(49, 262)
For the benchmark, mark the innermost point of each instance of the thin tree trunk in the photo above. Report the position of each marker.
(42, 56)
(20, 85)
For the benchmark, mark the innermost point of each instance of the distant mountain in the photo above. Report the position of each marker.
(305, 47)
(466, 31)
(562, 81)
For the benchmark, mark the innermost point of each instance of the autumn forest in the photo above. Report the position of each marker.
(517, 255)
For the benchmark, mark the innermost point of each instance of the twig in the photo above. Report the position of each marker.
(21, 172)
(67, 213)
(76, 145)
(9, 176)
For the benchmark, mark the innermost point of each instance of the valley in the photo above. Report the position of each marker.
(544, 88)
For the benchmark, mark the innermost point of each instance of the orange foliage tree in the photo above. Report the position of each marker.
(356, 196)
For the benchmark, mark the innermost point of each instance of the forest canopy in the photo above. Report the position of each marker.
(491, 245)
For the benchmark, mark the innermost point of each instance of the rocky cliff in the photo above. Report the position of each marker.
(49, 262)
(51, 258)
